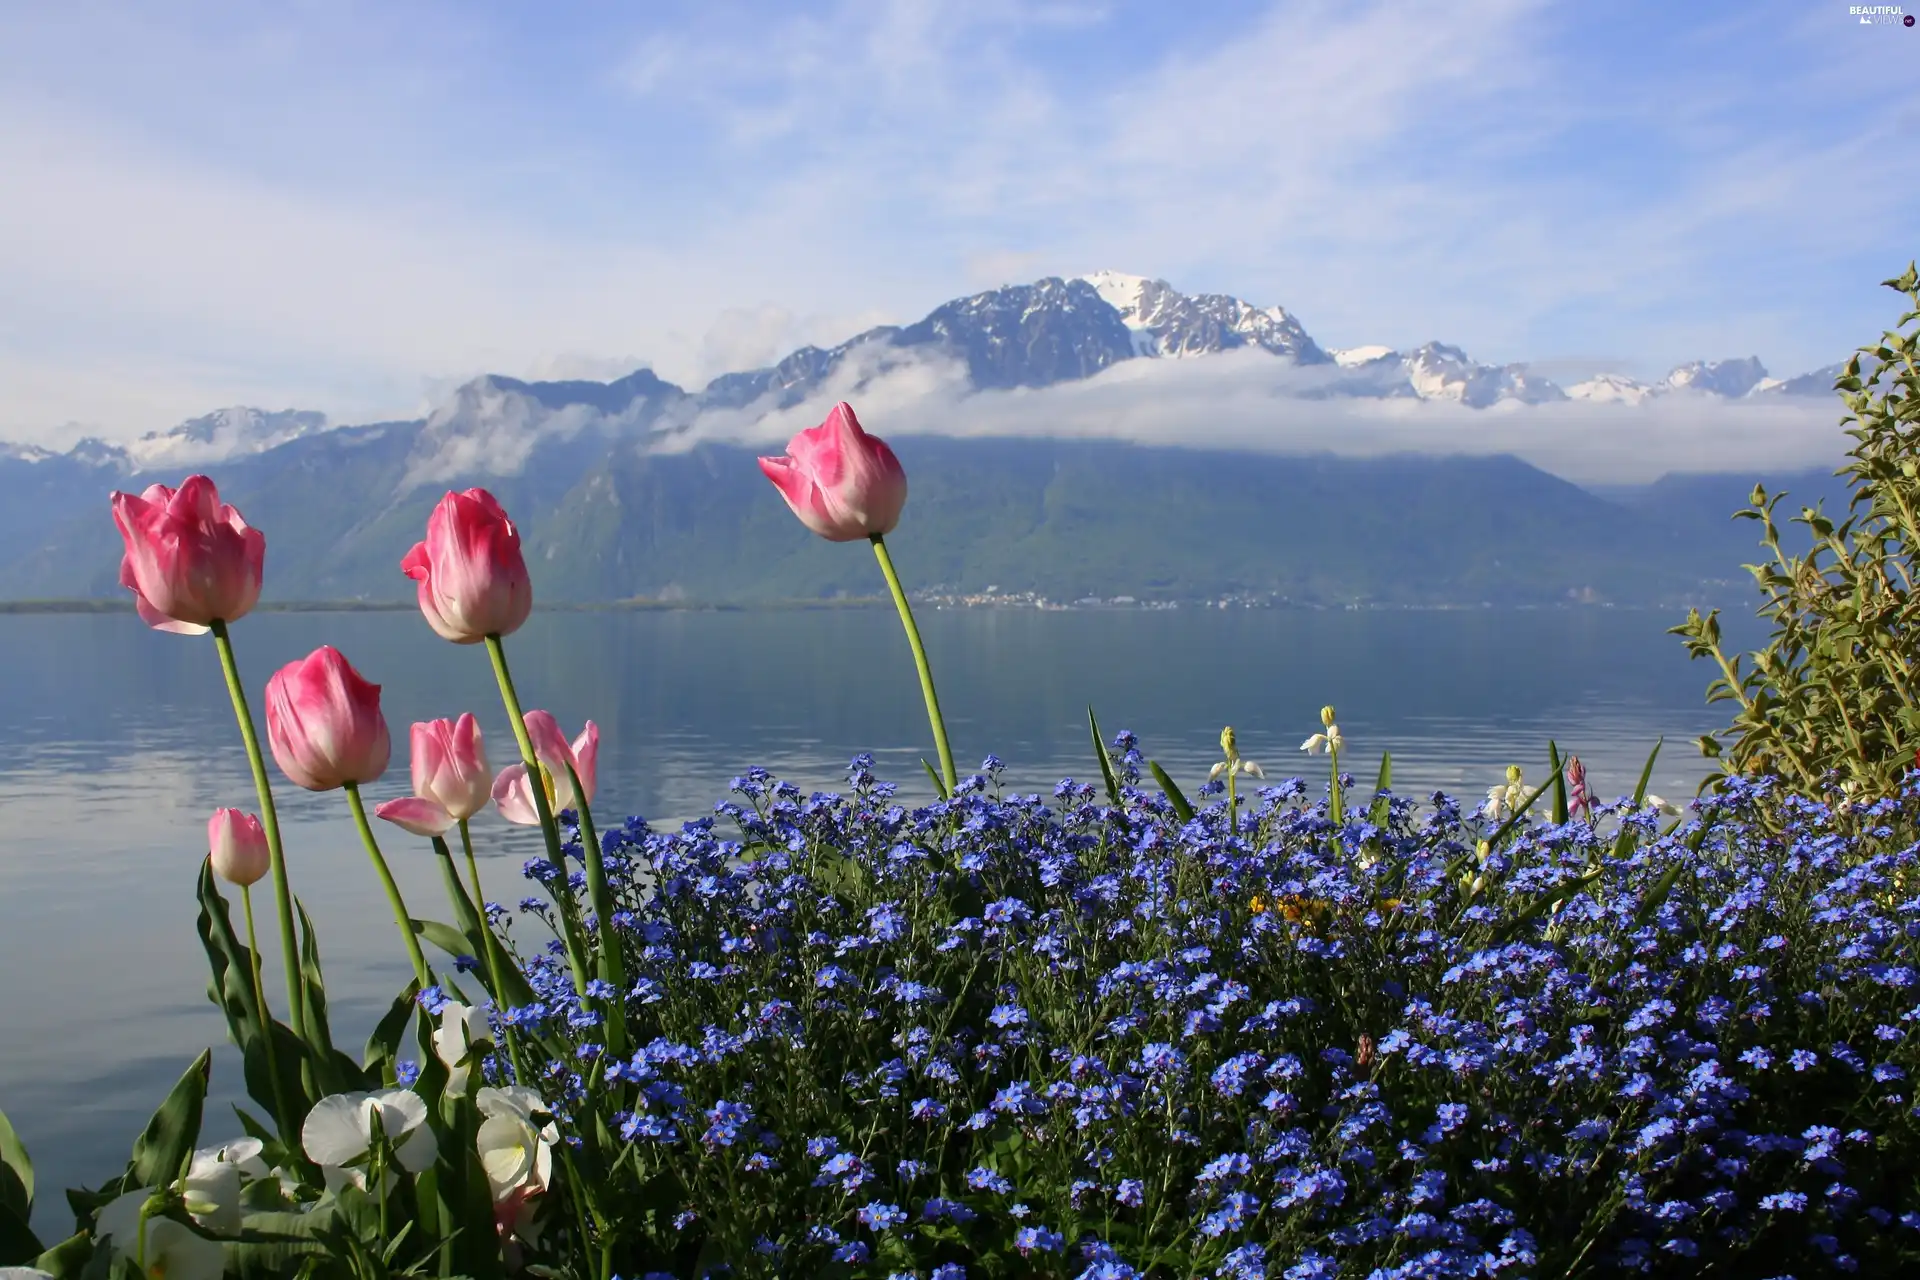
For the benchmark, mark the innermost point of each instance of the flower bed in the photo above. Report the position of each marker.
(1100, 1035)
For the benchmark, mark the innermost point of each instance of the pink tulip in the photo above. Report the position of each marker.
(514, 794)
(451, 780)
(843, 483)
(238, 844)
(473, 578)
(324, 722)
(190, 560)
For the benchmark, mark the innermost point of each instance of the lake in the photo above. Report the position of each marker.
(116, 742)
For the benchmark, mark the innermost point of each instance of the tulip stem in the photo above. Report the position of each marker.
(400, 916)
(289, 1131)
(612, 967)
(549, 825)
(494, 955)
(919, 660)
(270, 823)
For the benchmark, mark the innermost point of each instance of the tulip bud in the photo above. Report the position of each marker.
(841, 482)
(324, 722)
(1326, 717)
(237, 844)
(472, 574)
(190, 560)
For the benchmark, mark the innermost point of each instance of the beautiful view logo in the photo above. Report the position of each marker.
(1879, 15)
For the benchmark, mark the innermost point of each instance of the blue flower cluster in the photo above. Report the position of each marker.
(1083, 1036)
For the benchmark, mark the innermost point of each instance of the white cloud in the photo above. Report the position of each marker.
(1248, 400)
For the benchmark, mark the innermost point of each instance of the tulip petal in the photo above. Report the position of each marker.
(426, 818)
(514, 796)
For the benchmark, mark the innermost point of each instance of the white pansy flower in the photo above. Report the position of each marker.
(516, 1148)
(212, 1185)
(338, 1134)
(462, 1029)
(170, 1250)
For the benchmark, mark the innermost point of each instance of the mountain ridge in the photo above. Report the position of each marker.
(1037, 335)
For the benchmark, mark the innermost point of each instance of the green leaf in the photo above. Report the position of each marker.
(448, 939)
(273, 1244)
(1545, 902)
(939, 783)
(383, 1046)
(288, 1054)
(1646, 773)
(66, 1260)
(1657, 894)
(1181, 809)
(229, 958)
(1377, 815)
(1623, 844)
(334, 1071)
(1559, 784)
(16, 1171)
(159, 1152)
(1106, 761)
(18, 1245)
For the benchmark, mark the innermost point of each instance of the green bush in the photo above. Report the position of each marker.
(1833, 691)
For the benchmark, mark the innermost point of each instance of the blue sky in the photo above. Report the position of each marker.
(353, 206)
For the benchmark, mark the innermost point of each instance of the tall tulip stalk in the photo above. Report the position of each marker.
(474, 589)
(845, 485)
(195, 566)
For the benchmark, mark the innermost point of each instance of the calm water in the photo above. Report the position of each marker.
(116, 742)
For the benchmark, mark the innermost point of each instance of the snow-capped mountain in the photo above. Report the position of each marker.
(1166, 322)
(1611, 388)
(1727, 378)
(1020, 336)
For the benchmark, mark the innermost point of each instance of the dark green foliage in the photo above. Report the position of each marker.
(1833, 691)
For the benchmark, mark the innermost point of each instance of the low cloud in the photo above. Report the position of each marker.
(1248, 400)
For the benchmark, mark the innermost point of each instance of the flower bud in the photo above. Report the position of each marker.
(1326, 717)
(237, 844)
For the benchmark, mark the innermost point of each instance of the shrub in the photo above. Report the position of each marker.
(1833, 693)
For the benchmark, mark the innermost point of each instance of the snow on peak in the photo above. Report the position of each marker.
(1354, 357)
(1120, 291)
(224, 433)
(1610, 388)
(1730, 378)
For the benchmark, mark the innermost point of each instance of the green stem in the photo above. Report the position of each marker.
(270, 822)
(400, 915)
(919, 660)
(289, 1131)
(549, 826)
(612, 966)
(494, 957)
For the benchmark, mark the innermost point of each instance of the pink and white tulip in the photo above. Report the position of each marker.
(190, 559)
(514, 793)
(451, 780)
(472, 574)
(237, 844)
(324, 722)
(843, 483)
